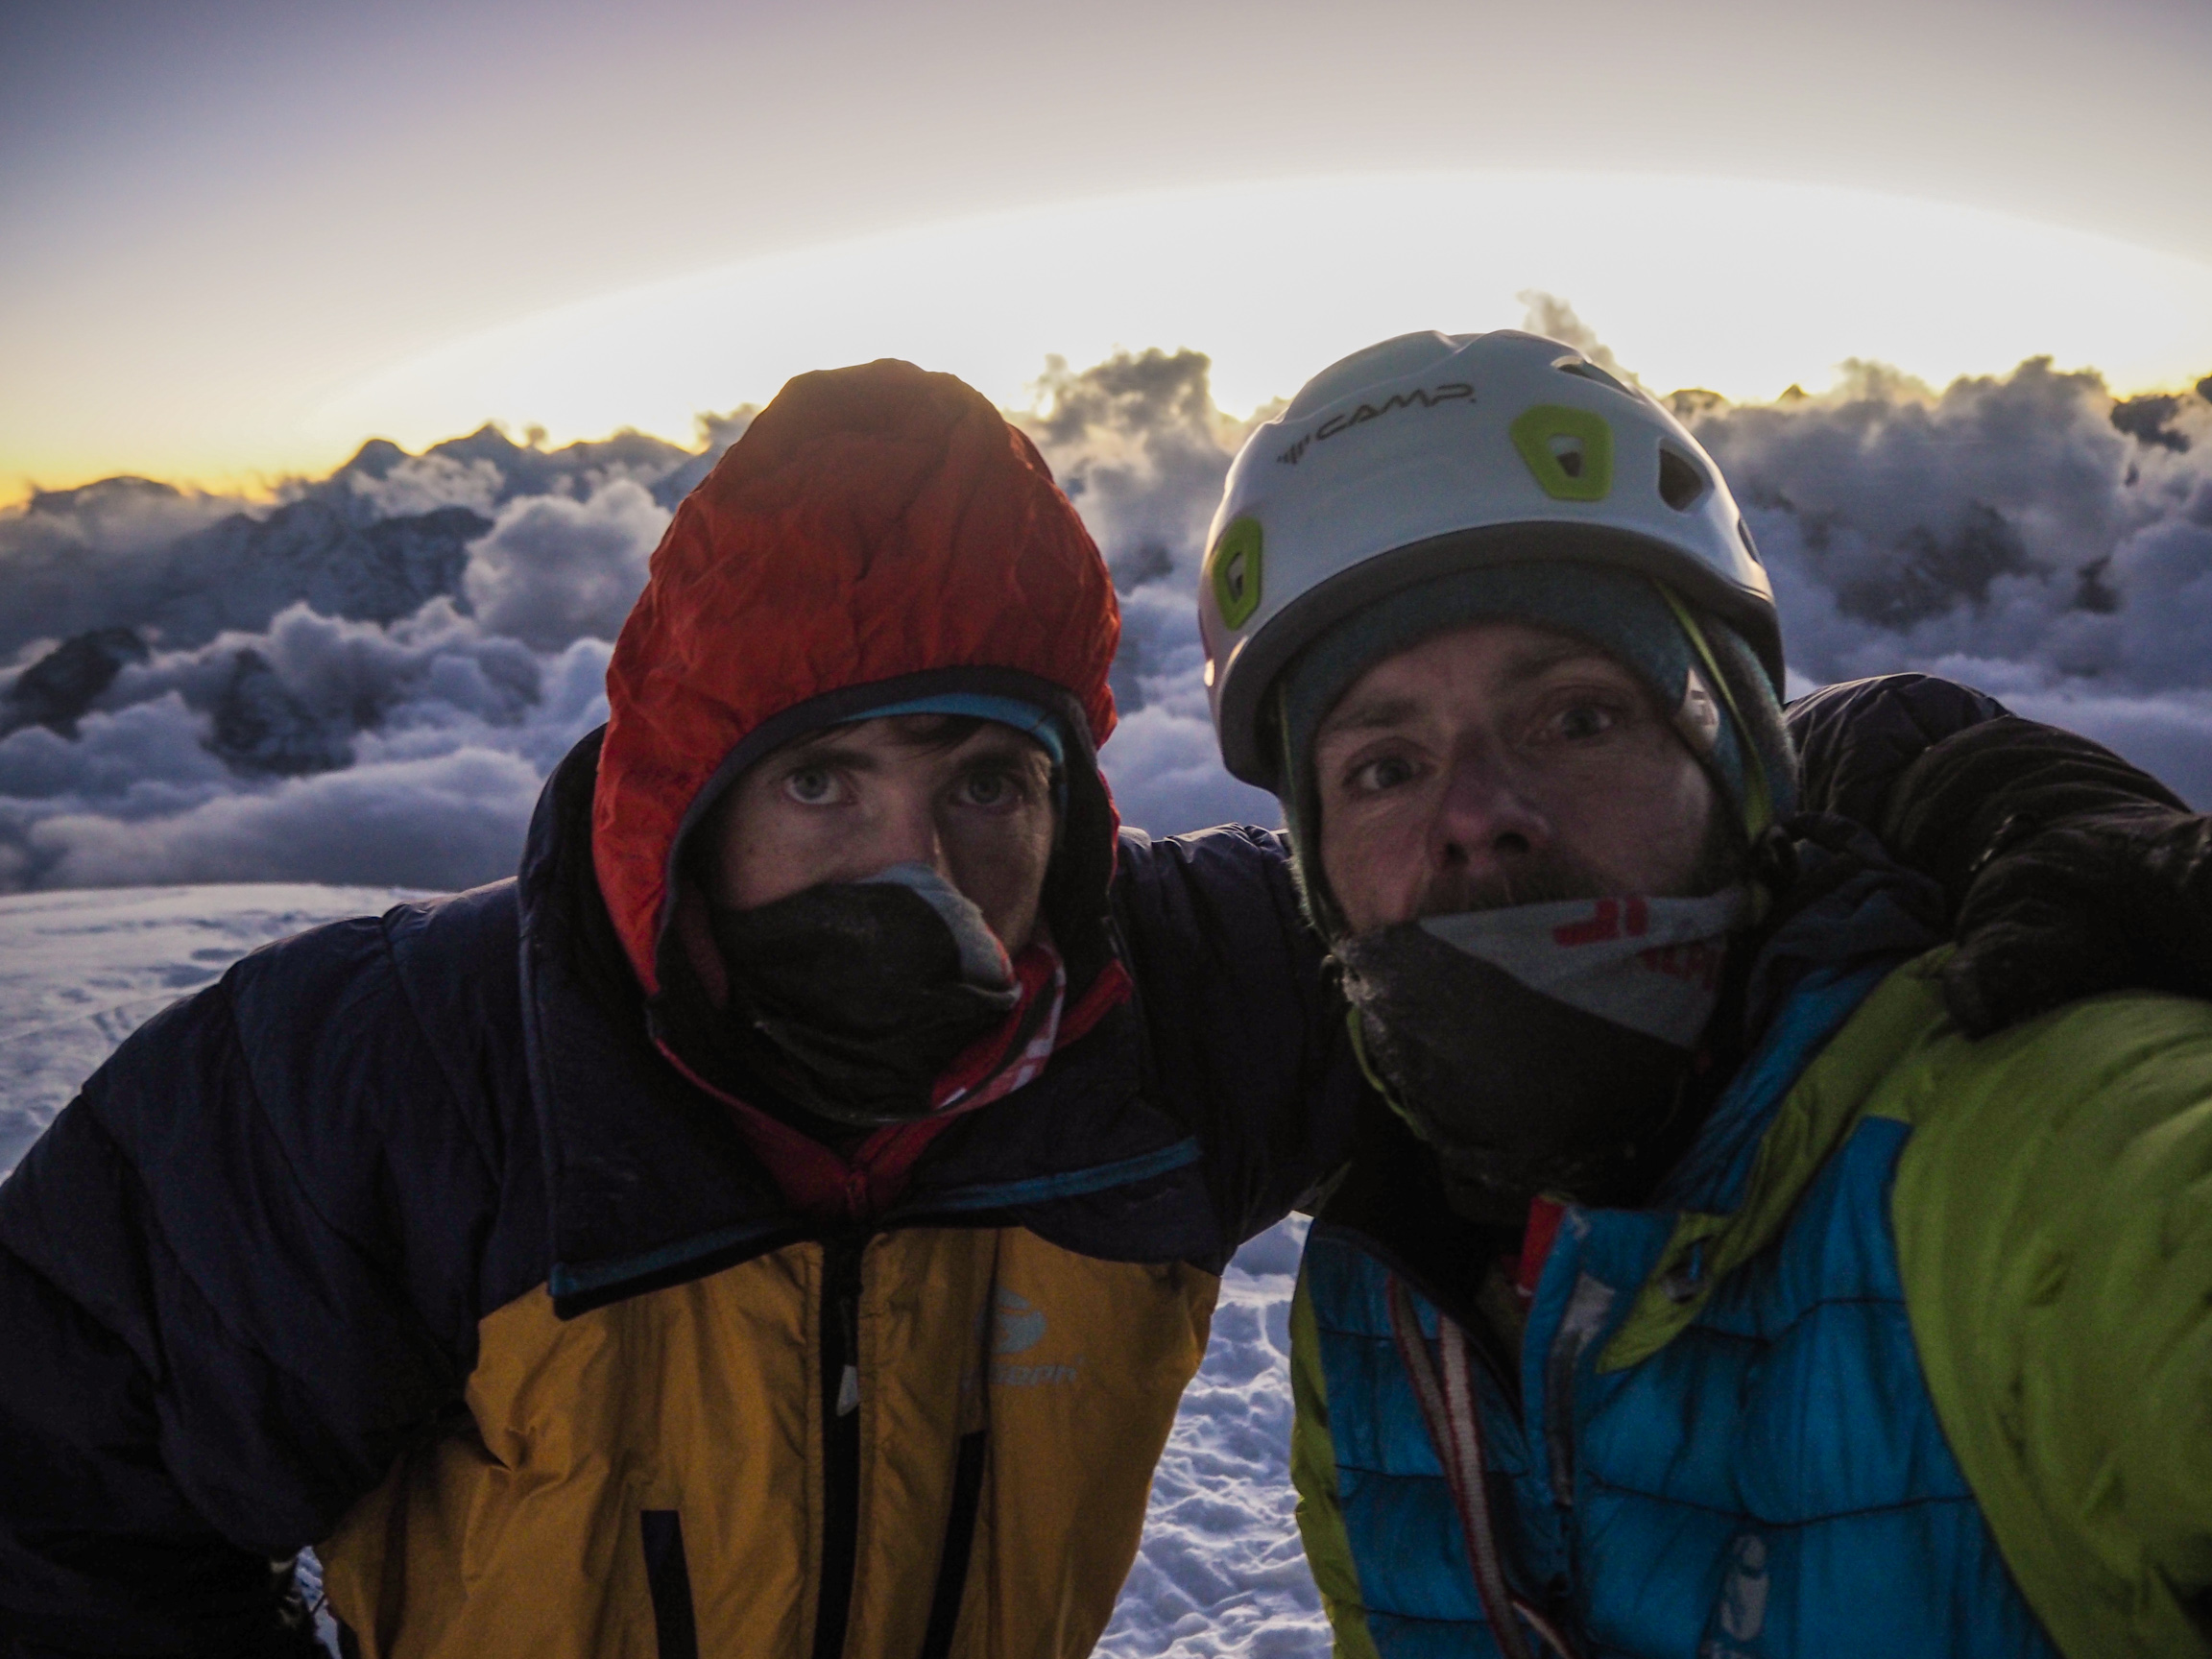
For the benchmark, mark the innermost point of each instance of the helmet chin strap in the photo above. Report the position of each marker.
(1758, 793)
(1758, 796)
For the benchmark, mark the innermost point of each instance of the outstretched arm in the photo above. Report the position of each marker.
(2069, 871)
(2053, 1214)
(1246, 1039)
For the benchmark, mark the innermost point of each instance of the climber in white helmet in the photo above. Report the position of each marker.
(1701, 1282)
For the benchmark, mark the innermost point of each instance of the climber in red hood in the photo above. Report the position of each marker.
(883, 556)
(848, 1097)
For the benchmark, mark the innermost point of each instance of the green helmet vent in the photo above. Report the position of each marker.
(1568, 452)
(1234, 569)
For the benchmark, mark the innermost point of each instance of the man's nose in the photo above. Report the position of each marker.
(1485, 821)
(907, 832)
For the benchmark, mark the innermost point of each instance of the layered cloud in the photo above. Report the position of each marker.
(1141, 450)
(2023, 533)
(367, 680)
(374, 674)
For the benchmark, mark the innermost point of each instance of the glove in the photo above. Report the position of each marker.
(2070, 872)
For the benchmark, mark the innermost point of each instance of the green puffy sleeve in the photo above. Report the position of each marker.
(2052, 1213)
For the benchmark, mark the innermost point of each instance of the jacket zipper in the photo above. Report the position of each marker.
(839, 1323)
(959, 1545)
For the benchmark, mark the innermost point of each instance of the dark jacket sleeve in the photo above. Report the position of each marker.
(238, 1274)
(1857, 739)
(2068, 871)
(1247, 1037)
(1949, 778)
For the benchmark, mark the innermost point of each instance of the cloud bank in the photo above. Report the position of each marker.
(2023, 533)
(374, 673)
(367, 680)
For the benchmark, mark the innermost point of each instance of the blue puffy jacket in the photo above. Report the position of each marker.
(1905, 1358)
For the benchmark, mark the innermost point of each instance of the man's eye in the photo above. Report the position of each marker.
(1378, 776)
(988, 789)
(811, 786)
(1585, 720)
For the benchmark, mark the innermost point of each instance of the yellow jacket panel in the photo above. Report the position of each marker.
(692, 1419)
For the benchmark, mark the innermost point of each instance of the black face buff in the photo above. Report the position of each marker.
(1541, 1048)
(852, 998)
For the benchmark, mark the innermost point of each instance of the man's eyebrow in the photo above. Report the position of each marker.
(1373, 714)
(828, 750)
(1538, 663)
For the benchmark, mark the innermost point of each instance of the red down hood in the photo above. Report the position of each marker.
(873, 523)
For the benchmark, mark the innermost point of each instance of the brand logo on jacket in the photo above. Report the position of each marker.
(1017, 1326)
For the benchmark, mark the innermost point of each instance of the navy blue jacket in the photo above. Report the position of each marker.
(243, 1271)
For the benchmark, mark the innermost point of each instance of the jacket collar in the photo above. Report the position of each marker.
(1842, 952)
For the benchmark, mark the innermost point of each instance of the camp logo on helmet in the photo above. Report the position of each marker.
(1451, 392)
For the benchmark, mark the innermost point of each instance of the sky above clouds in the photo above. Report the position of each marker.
(241, 238)
(227, 224)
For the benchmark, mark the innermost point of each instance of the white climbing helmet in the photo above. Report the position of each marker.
(1438, 452)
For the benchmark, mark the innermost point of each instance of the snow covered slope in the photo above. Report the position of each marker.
(1220, 1572)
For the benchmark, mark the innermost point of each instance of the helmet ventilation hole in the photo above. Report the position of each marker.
(1750, 546)
(1567, 449)
(1583, 369)
(1681, 480)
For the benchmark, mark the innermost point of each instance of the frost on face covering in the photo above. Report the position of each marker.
(1542, 1047)
(1652, 965)
(852, 997)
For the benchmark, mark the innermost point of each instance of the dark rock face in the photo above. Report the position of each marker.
(1147, 562)
(2092, 592)
(418, 558)
(239, 573)
(350, 546)
(374, 459)
(1125, 678)
(122, 491)
(667, 470)
(259, 726)
(55, 690)
(1933, 573)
